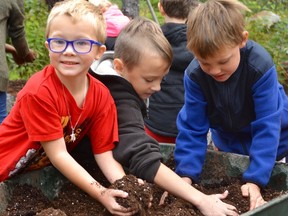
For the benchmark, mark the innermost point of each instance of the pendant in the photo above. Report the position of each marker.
(73, 136)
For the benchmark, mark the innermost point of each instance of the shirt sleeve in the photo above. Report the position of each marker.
(41, 118)
(16, 28)
(104, 132)
(266, 128)
(192, 123)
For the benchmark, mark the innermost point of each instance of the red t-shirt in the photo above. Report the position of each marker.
(40, 114)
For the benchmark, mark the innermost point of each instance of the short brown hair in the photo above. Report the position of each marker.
(215, 24)
(139, 36)
(178, 8)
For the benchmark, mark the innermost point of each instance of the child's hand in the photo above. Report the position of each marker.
(141, 182)
(253, 191)
(213, 206)
(108, 199)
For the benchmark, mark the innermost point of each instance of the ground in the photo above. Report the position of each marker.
(15, 86)
(28, 201)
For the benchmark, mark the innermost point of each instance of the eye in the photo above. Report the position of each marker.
(59, 42)
(224, 62)
(149, 80)
(82, 43)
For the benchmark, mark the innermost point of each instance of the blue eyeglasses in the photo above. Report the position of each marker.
(81, 46)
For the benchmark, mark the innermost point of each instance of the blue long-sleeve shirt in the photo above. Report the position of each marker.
(247, 114)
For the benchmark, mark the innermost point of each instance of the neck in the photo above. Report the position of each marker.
(174, 20)
(78, 90)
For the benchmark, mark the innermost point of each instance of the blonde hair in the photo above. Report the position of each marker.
(80, 10)
(100, 2)
(215, 24)
(140, 36)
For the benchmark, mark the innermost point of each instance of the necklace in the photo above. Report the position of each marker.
(72, 135)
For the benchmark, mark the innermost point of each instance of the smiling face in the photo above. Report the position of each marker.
(70, 63)
(146, 76)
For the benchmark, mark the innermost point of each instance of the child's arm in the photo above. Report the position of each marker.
(65, 163)
(207, 204)
(109, 166)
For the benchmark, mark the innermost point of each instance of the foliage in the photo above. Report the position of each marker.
(273, 38)
(35, 20)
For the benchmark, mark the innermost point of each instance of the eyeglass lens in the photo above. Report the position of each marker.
(79, 46)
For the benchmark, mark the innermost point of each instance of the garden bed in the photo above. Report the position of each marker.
(47, 192)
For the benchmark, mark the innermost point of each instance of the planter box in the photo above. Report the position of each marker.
(233, 165)
(50, 181)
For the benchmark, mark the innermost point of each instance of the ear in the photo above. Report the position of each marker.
(160, 8)
(100, 52)
(46, 45)
(245, 39)
(119, 66)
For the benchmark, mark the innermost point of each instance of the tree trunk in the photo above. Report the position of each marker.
(130, 8)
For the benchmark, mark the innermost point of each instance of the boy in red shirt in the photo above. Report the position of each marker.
(62, 103)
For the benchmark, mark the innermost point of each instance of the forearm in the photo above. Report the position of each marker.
(109, 166)
(174, 184)
(75, 173)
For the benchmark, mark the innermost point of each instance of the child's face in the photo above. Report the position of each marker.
(69, 62)
(146, 76)
(222, 65)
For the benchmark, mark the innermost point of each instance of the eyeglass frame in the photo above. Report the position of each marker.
(92, 42)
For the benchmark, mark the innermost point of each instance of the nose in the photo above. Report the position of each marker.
(214, 71)
(69, 48)
(156, 86)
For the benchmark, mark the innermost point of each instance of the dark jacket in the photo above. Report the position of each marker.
(137, 152)
(165, 104)
(247, 114)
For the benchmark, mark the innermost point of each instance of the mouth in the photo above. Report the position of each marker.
(220, 77)
(69, 63)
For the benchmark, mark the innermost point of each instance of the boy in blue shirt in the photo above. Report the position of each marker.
(231, 87)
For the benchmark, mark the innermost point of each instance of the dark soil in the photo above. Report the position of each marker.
(71, 201)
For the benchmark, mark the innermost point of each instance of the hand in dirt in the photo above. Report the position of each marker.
(141, 182)
(108, 199)
(213, 206)
(253, 192)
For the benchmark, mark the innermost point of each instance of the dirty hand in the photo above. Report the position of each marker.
(141, 182)
(253, 191)
(108, 199)
(213, 206)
